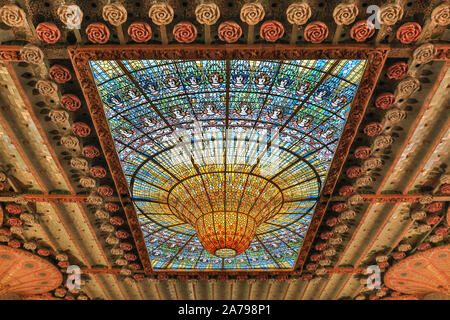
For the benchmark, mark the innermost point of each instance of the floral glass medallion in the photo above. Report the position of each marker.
(225, 159)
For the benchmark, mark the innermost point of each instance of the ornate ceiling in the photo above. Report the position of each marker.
(224, 150)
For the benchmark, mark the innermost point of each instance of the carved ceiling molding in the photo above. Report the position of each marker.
(81, 56)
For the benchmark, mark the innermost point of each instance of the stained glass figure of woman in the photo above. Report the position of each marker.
(282, 84)
(276, 114)
(303, 88)
(262, 80)
(172, 83)
(215, 79)
(152, 87)
(338, 101)
(240, 80)
(115, 100)
(193, 82)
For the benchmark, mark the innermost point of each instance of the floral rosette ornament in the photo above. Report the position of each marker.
(140, 32)
(298, 13)
(98, 172)
(229, 31)
(441, 15)
(12, 15)
(385, 100)
(13, 208)
(97, 33)
(345, 14)
(362, 30)
(316, 32)
(112, 207)
(46, 88)
(105, 191)
(373, 129)
(184, 32)
(271, 31)
(31, 54)
(70, 102)
(207, 13)
(90, 152)
(115, 13)
(81, 129)
(354, 172)
(407, 87)
(59, 73)
(424, 54)
(252, 13)
(362, 152)
(48, 32)
(409, 32)
(390, 14)
(346, 191)
(397, 71)
(161, 14)
(70, 15)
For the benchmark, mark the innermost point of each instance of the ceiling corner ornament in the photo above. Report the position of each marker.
(421, 273)
(161, 13)
(115, 13)
(441, 15)
(252, 13)
(207, 13)
(298, 13)
(12, 15)
(345, 14)
(31, 54)
(390, 14)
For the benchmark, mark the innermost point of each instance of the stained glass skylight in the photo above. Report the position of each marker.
(225, 159)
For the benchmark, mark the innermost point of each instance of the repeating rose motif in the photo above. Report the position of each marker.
(115, 13)
(339, 207)
(126, 246)
(59, 116)
(432, 220)
(31, 54)
(46, 88)
(362, 152)
(161, 14)
(112, 207)
(70, 142)
(70, 15)
(332, 222)
(184, 32)
(79, 163)
(424, 54)
(98, 172)
(271, 31)
(442, 231)
(130, 257)
(229, 31)
(445, 188)
(398, 255)
(252, 13)
(207, 13)
(395, 115)
(390, 14)
(373, 129)
(385, 100)
(434, 207)
(354, 172)
(298, 13)
(409, 32)
(441, 15)
(90, 152)
(14, 222)
(407, 87)
(140, 31)
(326, 235)
(424, 246)
(81, 129)
(87, 182)
(382, 142)
(122, 234)
(316, 32)
(315, 257)
(70, 102)
(362, 30)
(311, 266)
(59, 73)
(105, 191)
(12, 15)
(14, 243)
(43, 252)
(117, 221)
(307, 277)
(139, 277)
(97, 33)
(397, 71)
(346, 191)
(372, 163)
(48, 32)
(134, 266)
(345, 14)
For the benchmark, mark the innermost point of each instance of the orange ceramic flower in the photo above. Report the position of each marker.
(48, 32)
(409, 32)
(385, 100)
(362, 31)
(97, 33)
(90, 152)
(59, 73)
(70, 102)
(229, 31)
(316, 32)
(373, 129)
(184, 32)
(271, 31)
(397, 71)
(81, 129)
(140, 31)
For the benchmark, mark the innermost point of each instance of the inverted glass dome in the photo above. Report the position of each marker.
(225, 159)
